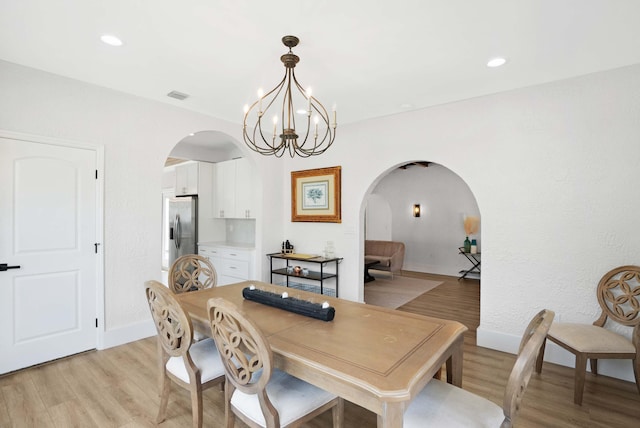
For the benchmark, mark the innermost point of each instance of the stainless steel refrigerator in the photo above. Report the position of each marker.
(183, 226)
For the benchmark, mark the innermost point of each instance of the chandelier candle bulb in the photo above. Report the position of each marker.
(260, 95)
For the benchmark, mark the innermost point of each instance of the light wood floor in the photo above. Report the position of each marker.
(117, 388)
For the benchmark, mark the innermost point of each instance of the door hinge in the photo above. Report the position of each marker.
(96, 174)
(96, 322)
(96, 246)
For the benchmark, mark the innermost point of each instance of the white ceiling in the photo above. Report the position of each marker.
(371, 58)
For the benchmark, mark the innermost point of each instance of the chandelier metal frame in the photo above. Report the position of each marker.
(312, 142)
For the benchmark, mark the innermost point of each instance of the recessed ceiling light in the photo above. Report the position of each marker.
(496, 62)
(111, 40)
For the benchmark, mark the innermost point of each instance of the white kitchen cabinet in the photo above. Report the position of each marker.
(194, 178)
(235, 189)
(225, 188)
(206, 190)
(186, 179)
(232, 264)
(245, 189)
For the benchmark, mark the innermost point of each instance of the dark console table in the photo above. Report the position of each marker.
(317, 272)
(474, 259)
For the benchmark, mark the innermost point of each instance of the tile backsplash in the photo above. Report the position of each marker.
(241, 231)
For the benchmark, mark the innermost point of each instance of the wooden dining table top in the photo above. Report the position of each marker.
(376, 357)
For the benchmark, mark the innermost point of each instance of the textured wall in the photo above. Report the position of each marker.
(552, 168)
(137, 136)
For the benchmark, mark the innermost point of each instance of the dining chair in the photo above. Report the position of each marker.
(618, 294)
(193, 366)
(191, 272)
(441, 404)
(256, 392)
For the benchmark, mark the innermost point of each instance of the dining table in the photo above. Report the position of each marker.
(375, 357)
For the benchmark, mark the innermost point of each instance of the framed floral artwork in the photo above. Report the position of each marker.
(315, 195)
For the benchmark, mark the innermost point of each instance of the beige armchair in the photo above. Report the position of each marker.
(388, 254)
(619, 297)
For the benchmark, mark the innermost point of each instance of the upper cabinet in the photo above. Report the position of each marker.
(235, 189)
(187, 179)
(193, 178)
(206, 189)
(245, 189)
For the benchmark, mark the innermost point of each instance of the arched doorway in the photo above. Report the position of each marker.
(214, 167)
(431, 240)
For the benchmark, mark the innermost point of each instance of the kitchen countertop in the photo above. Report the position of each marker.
(236, 245)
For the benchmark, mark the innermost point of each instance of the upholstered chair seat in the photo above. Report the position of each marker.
(441, 404)
(204, 355)
(591, 338)
(470, 410)
(292, 397)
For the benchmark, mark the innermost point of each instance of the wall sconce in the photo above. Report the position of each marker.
(416, 210)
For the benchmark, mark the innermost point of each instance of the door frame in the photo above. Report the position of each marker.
(99, 232)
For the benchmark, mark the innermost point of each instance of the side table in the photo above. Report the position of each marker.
(474, 259)
(320, 276)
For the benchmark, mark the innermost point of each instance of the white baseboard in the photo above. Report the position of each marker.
(436, 270)
(130, 333)
(619, 369)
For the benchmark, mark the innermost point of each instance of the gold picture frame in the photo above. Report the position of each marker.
(315, 195)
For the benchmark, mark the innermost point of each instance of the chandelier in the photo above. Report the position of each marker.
(316, 133)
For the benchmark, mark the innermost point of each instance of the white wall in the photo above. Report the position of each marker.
(137, 136)
(552, 168)
(378, 218)
(431, 240)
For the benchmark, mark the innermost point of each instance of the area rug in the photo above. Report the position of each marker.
(393, 293)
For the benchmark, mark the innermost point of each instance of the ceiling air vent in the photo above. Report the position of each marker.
(178, 95)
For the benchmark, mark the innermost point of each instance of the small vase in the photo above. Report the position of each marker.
(467, 245)
(474, 246)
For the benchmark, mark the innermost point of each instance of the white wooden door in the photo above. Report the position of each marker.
(48, 229)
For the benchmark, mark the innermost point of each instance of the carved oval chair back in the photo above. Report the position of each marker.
(191, 272)
(192, 366)
(256, 392)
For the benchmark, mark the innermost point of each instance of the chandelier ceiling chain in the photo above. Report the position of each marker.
(309, 142)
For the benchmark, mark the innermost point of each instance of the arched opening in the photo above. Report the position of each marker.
(431, 240)
(210, 194)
